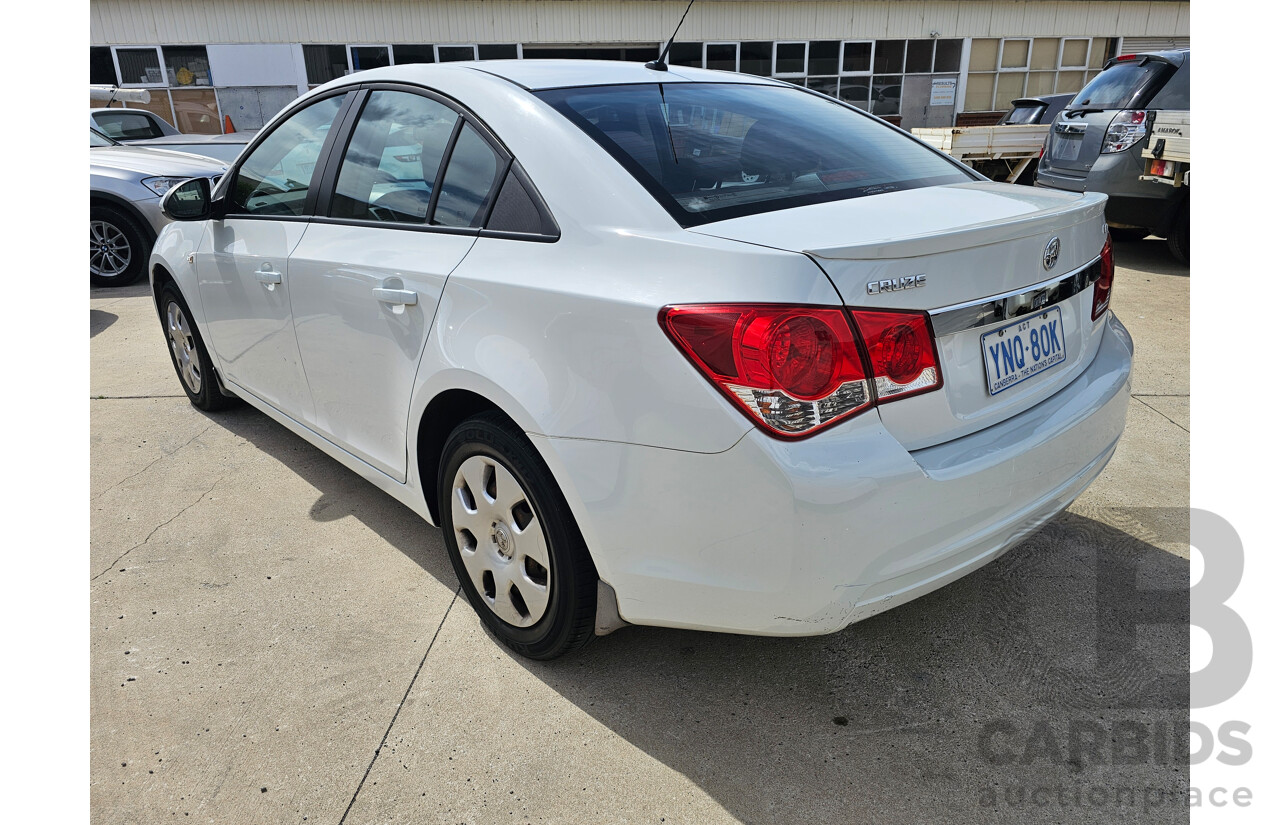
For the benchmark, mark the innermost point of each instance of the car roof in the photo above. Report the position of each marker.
(536, 75)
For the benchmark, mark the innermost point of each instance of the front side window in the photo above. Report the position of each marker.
(709, 151)
(390, 167)
(276, 175)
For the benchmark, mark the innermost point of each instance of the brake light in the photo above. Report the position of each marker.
(904, 360)
(1127, 128)
(1122, 58)
(795, 370)
(1102, 287)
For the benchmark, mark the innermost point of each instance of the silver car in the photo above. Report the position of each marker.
(125, 185)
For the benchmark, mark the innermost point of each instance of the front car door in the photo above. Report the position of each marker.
(406, 204)
(243, 270)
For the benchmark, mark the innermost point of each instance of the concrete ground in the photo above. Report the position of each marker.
(274, 640)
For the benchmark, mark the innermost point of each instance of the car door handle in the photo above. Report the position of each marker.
(399, 297)
(267, 277)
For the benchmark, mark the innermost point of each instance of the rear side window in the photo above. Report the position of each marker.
(390, 167)
(127, 125)
(1123, 86)
(468, 182)
(275, 177)
(711, 151)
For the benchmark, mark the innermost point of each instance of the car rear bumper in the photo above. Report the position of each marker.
(803, 538)
(1131, 201)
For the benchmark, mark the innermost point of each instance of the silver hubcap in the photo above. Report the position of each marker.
(109, 252)
(183, 347)
(501, 540)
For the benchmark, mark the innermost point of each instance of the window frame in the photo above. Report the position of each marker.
(804, 61)
(737, 51)
(329, 164)
(871, 64)
(351, 65)
(115, 60)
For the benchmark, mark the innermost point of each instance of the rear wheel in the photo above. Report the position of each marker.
(1179, 239)
(117, 251)
(513, 542)
(188, 353)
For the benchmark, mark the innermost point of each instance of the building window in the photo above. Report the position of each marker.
(140, 67)
(499, 51)
(406, 54)
(756, 58)
(187, 66)
(446, 54)
(369, 57)
(102, 69)
(789, 59)
(1001, 71)
(324, 63)
(685, 54)
(722, 57)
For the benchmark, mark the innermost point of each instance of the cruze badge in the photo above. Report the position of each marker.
(896, 284)
(1051, 252)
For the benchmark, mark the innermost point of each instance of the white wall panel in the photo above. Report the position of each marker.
(120, 22)
(268, 64)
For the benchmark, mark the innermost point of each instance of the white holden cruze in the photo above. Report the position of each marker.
(676, 348)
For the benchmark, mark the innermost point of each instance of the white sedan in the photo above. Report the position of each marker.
(677, 348)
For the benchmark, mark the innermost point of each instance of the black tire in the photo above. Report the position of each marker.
(114, 235)
(189, 355)
(568, 620)
(1128, 235)
(1179, 239)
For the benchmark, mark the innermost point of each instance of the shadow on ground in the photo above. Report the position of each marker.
(1150, 255)
(1059, 669)
(100, 320)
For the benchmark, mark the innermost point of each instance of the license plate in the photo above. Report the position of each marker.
(1067, 148)
(1025, 348)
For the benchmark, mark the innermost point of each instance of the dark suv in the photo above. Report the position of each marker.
(1096, 144)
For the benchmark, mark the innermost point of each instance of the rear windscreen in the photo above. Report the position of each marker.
(710, 151)
(1024, 114)
(1123, 86)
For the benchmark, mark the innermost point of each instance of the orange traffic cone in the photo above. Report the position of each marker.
(227, 127)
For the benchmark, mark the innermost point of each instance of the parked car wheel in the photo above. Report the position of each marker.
(189, 355)
(1179, 239)
(513, 542)
(117, 251)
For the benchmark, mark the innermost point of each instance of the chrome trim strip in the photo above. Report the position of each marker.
(1010, 305)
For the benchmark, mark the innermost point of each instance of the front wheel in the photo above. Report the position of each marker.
(513, 542)
(117, 250)
(189, 355)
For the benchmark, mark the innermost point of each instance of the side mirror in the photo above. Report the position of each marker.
(188, 201)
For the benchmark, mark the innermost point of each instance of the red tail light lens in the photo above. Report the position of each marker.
(1102, 287)
(793, 370)
(903, 357)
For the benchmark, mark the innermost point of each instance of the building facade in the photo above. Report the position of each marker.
(913, 62)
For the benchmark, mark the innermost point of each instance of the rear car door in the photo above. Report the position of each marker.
(401, 210)
(243, 264)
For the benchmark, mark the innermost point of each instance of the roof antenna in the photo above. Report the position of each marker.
(660, 64)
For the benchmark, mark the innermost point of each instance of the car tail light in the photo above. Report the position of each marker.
(794, 370)
(1102, 287)
(903, 358)
(1127, 128)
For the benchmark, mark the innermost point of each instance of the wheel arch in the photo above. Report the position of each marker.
(131, 211)
(442, 414)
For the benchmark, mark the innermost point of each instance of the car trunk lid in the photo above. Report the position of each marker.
(975, 244)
